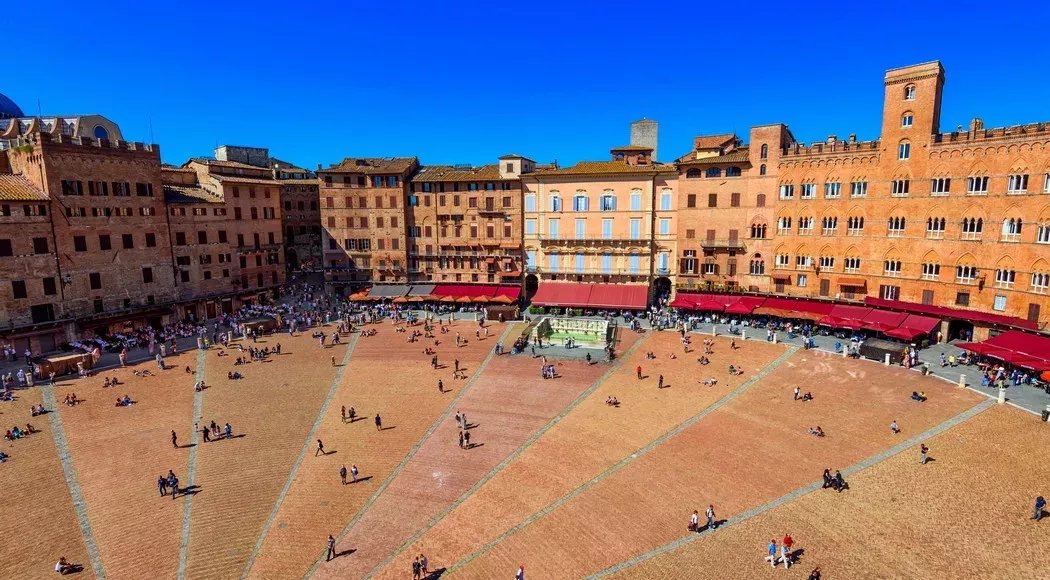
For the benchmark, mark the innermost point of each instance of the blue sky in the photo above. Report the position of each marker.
(466, 82)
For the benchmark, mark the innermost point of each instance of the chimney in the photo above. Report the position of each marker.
(852, 138)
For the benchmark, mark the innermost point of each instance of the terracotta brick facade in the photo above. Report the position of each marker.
(363, 219)
(958, 219)
(464, 223)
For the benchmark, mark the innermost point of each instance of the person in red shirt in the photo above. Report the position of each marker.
(788, 542)
(639, 369)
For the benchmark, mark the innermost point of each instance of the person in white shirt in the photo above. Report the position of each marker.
(694, 522)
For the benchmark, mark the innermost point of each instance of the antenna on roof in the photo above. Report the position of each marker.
(39, 111)
(150, 117)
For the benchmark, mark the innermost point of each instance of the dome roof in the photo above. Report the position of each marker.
(8, 108)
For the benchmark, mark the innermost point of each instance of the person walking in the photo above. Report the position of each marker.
(796, 393)
(353, 473)
(710, 517)
(466, 439)
(788, 543)
(352, 415)
(459, 420)
(1040, 503)
(660, 382)
(320, 448)
(461, 440)
(441, 386)
(342, 474)
(331, 548)
(415, 568)
(785, 556)
(694, 522)
(520, 575)
(207, 433)
(174, 440)
(379, 422)
(162, 485)
(923, 450)
(173, 484)
(639, 371)
(772, 551)
(424, 569)
(342, 413)
(894, 427)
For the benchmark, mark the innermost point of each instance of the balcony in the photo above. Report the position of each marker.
(726, 244)
(595, 242)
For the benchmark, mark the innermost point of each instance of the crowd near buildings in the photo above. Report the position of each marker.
(96, 233)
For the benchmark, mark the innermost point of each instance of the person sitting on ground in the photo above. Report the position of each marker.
(33, 411)
(235, 376)
(915, 396)
(735, 371)
(188, 371)
(223, 353)
(30, 429)
(105, 383)
(63, 567)
(807, 396)
(672, 356)
(612, 401)
(3, 457)
(9, 436)
(816, 431)
(711, 382)
(703, 360)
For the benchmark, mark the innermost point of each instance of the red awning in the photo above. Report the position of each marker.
(923, 324)
(853, 282)
(463, 290)
(511, 292)
(712, 305)
(683, 301)
(953, 313)
(742, 307)
(632, 297)
(883, 320)
(778, 276)
(1021, 342)
(846, 312)
(836, 322)
(566, 294)
(903, 333)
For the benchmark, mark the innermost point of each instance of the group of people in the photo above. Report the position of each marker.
(18, 433)
(835, 482)
(786, 555)
(168, 485)
(124, 401)
(213, 432)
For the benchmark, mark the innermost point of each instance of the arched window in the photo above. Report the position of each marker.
(762, 169)
(732, 172)
(692, 173)
(909, 93)
(904, 150)
(713, 172)
(907, 119)
(101, 132)
(765, 152)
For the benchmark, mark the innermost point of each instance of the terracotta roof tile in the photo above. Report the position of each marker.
(713, 141)
(189, 194)
(449, 173)
(735, 156)
(18, 188)
(608, 168)
(233, 164)
(373, 165)
(632, 148)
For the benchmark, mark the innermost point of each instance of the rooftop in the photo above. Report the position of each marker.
(373, 165)
(713, 141)
(451, 173)
(189, 194)
(739, 155)
(17, 188)
(615, 167)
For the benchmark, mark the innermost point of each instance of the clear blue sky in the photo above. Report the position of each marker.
(466, 82)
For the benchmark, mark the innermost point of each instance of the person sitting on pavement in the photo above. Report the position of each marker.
(816, 431)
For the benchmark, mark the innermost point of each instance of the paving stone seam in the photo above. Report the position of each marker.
(58, 435)
(419, 444)
(528, 443)
(191, 470)
(629, 459)
(302, 455)
(848, 471)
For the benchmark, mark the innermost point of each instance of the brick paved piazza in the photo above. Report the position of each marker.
(556, 479)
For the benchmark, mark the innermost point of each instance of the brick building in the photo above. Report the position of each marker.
(300, 218)
(208, 275)
(363, 219)
(953, 219)
(464, 223)
(253, 204)
(105, 262)
(725, 208)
